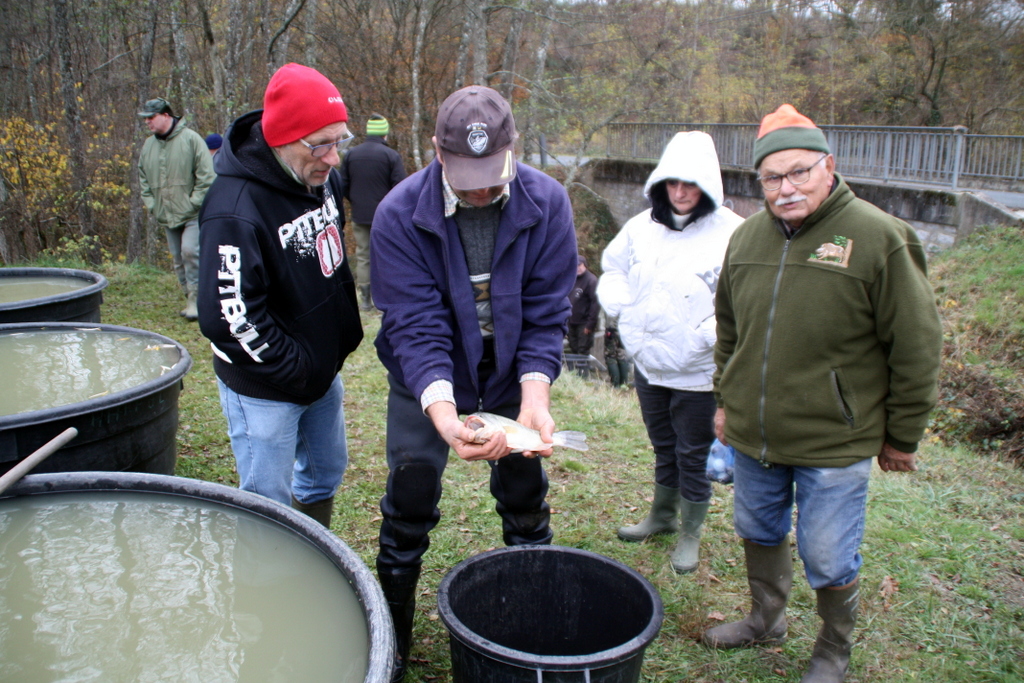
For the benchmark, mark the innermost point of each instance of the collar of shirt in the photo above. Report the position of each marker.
(289, 170)
(452, 201)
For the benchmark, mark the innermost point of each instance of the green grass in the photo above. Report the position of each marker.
(943, 576)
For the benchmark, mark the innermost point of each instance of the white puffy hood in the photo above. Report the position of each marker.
(692, 158)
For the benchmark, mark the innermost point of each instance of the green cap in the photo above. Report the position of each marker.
(156, 106)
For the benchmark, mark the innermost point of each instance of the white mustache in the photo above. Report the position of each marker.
(781, 201)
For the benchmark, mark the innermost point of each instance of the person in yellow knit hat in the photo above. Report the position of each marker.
(368, 172)
(827, 357)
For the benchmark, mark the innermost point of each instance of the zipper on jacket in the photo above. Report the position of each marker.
(762, 402)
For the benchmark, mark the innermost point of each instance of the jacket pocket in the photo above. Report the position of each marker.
(842, 403)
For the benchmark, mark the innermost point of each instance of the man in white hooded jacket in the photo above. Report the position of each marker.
(659, 278)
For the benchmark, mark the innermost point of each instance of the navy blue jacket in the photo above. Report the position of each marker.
(429, 330)
(276, 296)
(368, 172)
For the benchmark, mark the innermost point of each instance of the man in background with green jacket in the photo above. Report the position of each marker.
(175, 171)
(827, 357)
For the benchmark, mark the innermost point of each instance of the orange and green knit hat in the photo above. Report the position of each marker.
(786, 128)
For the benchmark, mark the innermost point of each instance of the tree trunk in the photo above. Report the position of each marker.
(537, 89)
(478, 39)
(73, 124)
(5, 249)
(212, 54)
(507, 77)
(462, 58)
(182, 65)
(417, 64)
(277, 48)
(310, 27)
(136, 249)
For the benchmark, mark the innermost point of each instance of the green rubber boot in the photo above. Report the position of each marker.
(320, 511)
(686, 555)
(838, 610)
(770, 575)
(662, 518)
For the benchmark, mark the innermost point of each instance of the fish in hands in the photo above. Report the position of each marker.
(520, 437)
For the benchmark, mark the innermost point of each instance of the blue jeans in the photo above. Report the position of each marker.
(285, 449)
(831, 506)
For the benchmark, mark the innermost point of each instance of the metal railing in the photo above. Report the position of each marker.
(950, 157)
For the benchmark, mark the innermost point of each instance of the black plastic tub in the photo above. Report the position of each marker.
(133, 429)
(256, 525)
(80, 304)
(527, 614)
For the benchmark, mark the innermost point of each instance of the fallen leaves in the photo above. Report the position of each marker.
(889, 588)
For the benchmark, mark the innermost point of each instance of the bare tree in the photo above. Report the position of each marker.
(73, 121)
(138, 245)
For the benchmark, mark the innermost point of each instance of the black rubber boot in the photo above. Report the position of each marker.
(399, 587)
(770, 575)
(320, 511)
(838, 609)
(662, 519)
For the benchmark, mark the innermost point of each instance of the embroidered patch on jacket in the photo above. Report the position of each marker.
(837, 252)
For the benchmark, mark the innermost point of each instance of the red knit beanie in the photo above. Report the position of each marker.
(299, 100)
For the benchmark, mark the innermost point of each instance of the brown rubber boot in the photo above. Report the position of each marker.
(770, 575)
(838, 609)
(320, 511)
(662, 519)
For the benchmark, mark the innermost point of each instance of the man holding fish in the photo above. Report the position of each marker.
(472, 261)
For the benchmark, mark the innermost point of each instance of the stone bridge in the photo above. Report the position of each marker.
(940, 216)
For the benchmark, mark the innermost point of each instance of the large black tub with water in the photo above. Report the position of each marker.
(547, 614)
(50, 295)
(117, 386)
(119, 576)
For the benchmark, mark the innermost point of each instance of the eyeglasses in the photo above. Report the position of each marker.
(323, 150)
(798, 176)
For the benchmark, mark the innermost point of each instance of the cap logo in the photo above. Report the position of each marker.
(335, 100)
(477, 138)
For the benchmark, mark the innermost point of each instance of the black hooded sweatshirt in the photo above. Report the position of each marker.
(276, 296)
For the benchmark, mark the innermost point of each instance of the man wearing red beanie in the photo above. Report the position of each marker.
(827, 357)
(276, 296)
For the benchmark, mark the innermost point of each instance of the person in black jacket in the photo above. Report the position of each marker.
(585, 309)
(368, 172)
(276, 296)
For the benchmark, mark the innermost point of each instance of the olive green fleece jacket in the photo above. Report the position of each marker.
(175, 174)
(829, 341)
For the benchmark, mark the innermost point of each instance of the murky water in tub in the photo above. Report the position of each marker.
(154, 587)
(50, 368)
(25, 287)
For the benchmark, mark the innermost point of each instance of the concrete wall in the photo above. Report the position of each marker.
(939, 217)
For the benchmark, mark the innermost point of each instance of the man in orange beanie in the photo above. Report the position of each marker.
(276, 296)
(827, 357)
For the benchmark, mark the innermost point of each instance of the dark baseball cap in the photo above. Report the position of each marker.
(156, 106)
(477, 135)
